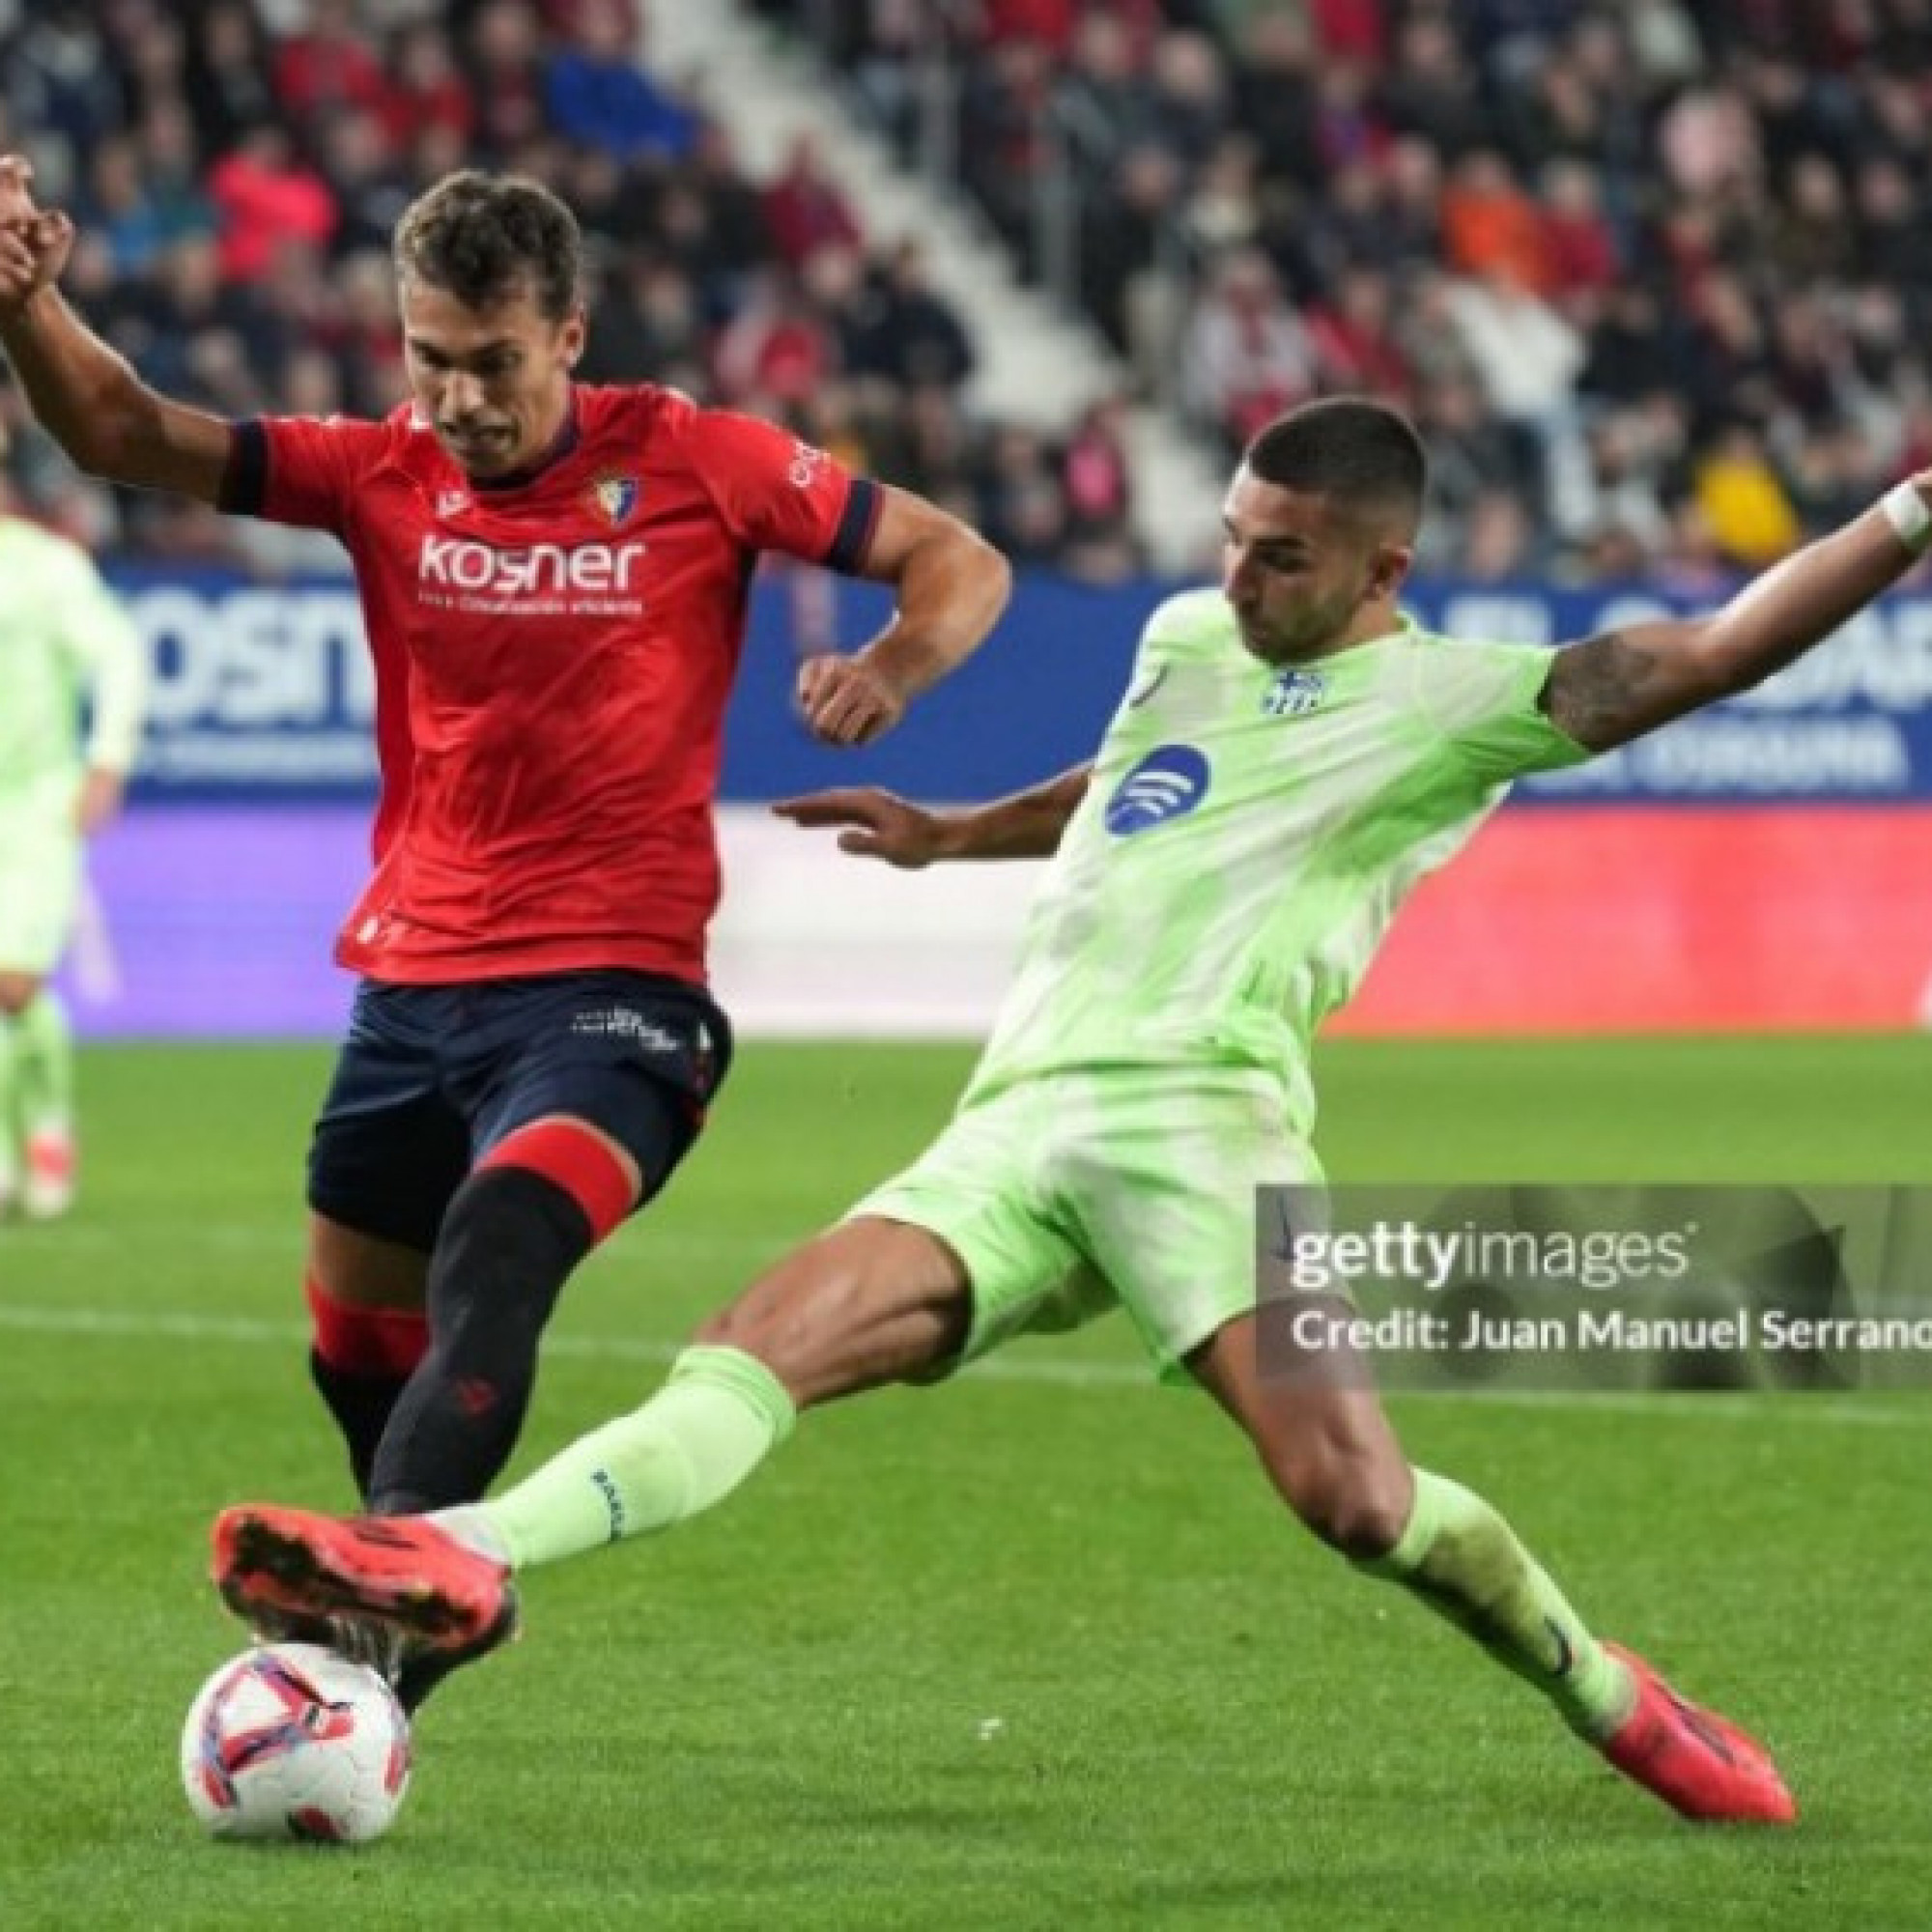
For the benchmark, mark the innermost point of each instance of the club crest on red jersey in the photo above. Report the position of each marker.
(614, 499)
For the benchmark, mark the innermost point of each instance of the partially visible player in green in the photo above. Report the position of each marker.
(1291, 756)
(64, 640)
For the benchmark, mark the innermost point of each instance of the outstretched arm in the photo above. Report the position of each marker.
(881, 825)
(952, 585)
(1616, 686)
(86, 396)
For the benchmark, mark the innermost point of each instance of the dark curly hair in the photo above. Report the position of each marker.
(484, 237)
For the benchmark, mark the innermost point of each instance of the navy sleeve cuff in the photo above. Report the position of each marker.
(853, 538)
(244, 483)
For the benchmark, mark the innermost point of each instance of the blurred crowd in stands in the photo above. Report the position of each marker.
(1654, 275)
(235, 168)
(1654, 278)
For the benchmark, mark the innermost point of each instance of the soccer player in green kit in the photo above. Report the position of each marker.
(1290, 756)
(63, 638)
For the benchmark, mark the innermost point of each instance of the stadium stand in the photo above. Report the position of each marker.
(1653, 274)
(1652, 277)
(236, 169)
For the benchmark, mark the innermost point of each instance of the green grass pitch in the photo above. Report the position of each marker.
(1035, 1650)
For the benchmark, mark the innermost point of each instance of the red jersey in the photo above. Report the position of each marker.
(552, 659)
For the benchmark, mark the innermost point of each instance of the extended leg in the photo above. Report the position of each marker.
(870, 1302)
(1334, 1459)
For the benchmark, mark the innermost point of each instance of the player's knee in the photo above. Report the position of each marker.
(18, 991)
(1355, 1500)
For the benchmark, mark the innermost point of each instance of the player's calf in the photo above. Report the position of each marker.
(361, 1360)
(869, 1302)
(509, 1241)
(1355, 1498)
(1328, 1450)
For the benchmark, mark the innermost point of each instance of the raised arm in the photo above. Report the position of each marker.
(1616, 686)
(881, 825)
(85, 395)
(951, 586)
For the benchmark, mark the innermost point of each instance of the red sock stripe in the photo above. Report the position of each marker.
(586, 1167)
(365, 1340)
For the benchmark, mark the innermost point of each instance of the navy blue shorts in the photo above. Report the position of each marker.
(432, 1077)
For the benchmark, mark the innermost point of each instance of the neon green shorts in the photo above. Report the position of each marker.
(40, 873)
(1069, 1195)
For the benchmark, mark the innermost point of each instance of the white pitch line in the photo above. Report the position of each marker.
(183, 1327)
(169, 1326)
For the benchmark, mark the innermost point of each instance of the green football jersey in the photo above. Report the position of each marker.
(1248, 834)
(62, 635)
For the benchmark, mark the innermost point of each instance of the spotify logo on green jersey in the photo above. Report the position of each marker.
(1168, 782)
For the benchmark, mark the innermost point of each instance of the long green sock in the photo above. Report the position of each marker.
(714, 1421)
(44, 1076)
(1465, 1562)
(10, 1122)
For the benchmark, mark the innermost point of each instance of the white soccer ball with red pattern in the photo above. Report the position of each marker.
(291, 1741)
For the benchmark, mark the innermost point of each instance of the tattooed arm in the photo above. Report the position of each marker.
(1616, 686)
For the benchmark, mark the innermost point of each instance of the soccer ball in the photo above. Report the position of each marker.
(291, 1741)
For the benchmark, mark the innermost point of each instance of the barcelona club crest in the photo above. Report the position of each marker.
(1294, 693)
(614, 499)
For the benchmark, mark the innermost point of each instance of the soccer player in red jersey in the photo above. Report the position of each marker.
(554, 579)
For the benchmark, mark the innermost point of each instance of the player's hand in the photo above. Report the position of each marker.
(847, 701)
(100, 799)
(17, 185)
(881, 824)
(34, 244)
(32, 253)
